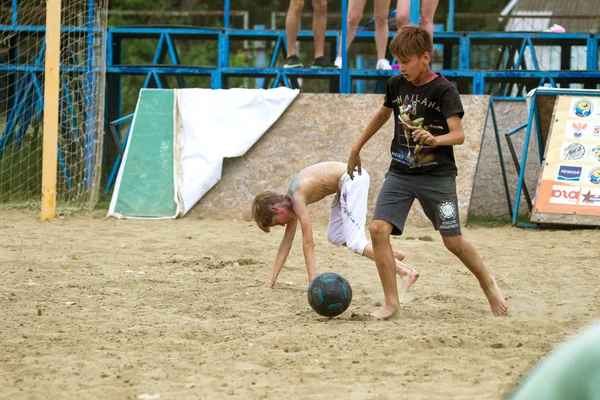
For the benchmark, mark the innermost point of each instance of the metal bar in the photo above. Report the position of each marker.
(519, 63)
(216, 79)
(592, 53)
(174, 58)
(13, 14)
(64, 167)
(223, 60)
(500, 156)
(345, 84)
(450, 19)
(516, 130)
(521, 180)
(89, 147)
(69, 101)
(534, 59)
(116, 139)
(415, 12)
(276, 50)
(226, 15)
(122, 119)
(464, 59)
(539, 134)
(517, 166)
(42, 29)
(117, 163)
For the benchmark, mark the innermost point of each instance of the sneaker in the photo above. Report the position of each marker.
(292, 62)
(338, 62)
(322, 62)
(384, 64)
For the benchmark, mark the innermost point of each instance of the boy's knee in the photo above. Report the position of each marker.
(297, 5)
(354, 19)
(358, 246)
(319, 6)
(401, 20)
(426, 20)
(381, 20)
(454, 244)
(379, 229)
(332, 238)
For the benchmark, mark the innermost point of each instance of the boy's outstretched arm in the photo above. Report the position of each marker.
(283, 252)
(308, 244)
(376, 122)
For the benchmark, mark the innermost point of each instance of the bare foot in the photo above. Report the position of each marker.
(495, 298)
(407, 280)
(385, 312)
(399, 255)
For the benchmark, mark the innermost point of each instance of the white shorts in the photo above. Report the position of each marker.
(349, 213)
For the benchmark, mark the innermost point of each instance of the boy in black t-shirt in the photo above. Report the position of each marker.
(428, 111)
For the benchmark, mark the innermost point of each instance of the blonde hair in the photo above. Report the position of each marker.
(411, 40)
(261, 211)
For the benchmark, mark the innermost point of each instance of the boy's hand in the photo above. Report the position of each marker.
(269, 284)
(421, 136)
(353, 162)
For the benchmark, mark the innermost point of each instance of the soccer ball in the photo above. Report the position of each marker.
(329, 294)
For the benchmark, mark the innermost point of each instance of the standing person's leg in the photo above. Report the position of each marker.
(428, 8)
(391, 210)
(386, 267)
(292, 19)
(437, 195)
(380, 14)
(355, 12)
(402, 13)
(319, 26)
(471, 259)
(408, 275)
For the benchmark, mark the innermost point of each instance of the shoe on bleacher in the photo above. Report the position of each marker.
(338, 62)
(322, 62)
(292, 62)
(383, 64)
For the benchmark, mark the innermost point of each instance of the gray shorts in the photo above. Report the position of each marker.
(436, 193)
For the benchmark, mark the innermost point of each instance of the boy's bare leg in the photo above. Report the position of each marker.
(408, 275)
(386, 268)
(471, 259)
(292, 19)
(319, 26)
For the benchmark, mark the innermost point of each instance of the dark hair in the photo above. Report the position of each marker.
(411, 40)
(261, 209)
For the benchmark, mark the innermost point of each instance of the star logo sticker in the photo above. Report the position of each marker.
(589, 197)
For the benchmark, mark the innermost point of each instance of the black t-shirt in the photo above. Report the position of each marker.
(426, 107)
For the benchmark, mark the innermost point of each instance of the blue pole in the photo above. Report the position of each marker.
(260, 58)
(344, 75)
(524, 159)
(415, 12)
(226, 14)
(450, 23)
(90, 102)
(14, 12)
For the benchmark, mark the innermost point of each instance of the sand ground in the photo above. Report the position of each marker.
(97, 308)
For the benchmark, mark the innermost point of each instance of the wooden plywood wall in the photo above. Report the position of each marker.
(322, 127)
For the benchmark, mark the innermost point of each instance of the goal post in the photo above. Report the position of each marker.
(52, 88)
(51, 96)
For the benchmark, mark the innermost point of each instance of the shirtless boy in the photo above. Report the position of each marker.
(346, 223)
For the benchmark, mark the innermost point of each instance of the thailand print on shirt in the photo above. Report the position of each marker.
(421, 107)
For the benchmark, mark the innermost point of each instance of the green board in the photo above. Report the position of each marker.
(146, 188)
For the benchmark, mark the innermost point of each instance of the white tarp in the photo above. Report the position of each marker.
(216, 124)
(178, 140)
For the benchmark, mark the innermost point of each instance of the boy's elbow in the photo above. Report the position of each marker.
(460, 137)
